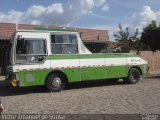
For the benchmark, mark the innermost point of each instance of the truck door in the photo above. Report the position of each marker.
(116, 66)
(30, 54)
(92, 66)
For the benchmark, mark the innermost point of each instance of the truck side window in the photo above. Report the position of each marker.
(64, 44)
(30, 50)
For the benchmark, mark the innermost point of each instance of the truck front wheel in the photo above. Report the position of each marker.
(55, 82)
(133, 76)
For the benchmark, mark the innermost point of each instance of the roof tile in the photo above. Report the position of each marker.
(7, 29)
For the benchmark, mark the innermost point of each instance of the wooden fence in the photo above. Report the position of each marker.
(153, 60)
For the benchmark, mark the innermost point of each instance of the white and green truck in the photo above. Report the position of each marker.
(56, 57)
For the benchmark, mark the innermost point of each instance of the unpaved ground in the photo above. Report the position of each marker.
(88, 98)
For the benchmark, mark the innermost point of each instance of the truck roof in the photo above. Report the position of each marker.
(48, 30)
(56, 30)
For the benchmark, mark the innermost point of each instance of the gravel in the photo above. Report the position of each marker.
(86, 98)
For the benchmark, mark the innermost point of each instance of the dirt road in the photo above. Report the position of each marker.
(88, 98)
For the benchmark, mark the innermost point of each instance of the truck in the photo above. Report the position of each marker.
(54, 58)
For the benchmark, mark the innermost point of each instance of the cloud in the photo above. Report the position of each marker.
(143, 17)
(44, 15)
(138, 20)
(12, 16)
(61, 14)
(105, 8)
(99, 3)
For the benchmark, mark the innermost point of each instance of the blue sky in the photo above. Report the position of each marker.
(101, 14)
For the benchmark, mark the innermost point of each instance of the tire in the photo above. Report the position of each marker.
(55, 82)
(133, 76)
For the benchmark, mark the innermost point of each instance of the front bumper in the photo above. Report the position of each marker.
(13, 83)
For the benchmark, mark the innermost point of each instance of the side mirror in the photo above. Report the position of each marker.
(21, 41)
(40, 58)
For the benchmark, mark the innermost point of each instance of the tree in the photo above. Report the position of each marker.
(151, 36)
(134, 40)
(127, 41)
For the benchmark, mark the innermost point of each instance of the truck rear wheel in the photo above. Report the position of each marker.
(133, 76)
(55, 82)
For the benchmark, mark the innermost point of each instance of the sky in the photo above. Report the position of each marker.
(94, 14)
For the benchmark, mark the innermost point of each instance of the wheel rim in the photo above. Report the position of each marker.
(56, 83)
(134, 76)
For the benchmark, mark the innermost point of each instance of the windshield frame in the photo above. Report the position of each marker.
(12, 53)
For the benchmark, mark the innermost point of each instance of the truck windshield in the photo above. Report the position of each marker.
(30, 50)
